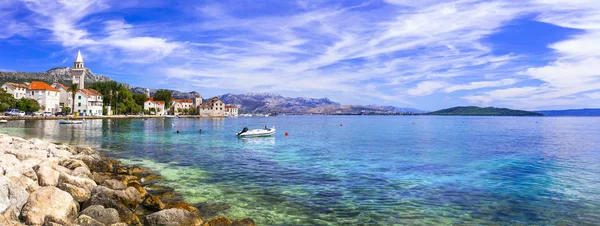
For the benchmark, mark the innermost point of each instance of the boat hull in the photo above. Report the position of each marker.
(69, 122)
(254, 133)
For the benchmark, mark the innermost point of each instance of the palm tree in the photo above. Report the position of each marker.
(74, 88)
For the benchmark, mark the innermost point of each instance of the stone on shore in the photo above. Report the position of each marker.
(47, 176)
(49, 204)
(185, 206)
(12, 197)
(78, 194)
(173, 217)
(121, 200)
(81, 182)
(103, 215)
(153, 203)
(114, 184)
(71, 163)
(137, 186)
(85, 220)
(82, 172)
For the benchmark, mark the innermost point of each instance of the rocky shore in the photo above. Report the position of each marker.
(42, 183)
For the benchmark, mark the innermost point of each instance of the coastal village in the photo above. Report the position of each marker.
(57, 97)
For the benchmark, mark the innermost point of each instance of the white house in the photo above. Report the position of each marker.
(17, 90)
(155, 106)
(214, 107)
(88, 102)
(66, 98)
(179, 105)
(231, 110)
(47, 96)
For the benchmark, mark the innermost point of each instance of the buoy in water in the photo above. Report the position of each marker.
(286, 134)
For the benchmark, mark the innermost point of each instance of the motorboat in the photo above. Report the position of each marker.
(3, 121)
(70, 121)
(266, 132)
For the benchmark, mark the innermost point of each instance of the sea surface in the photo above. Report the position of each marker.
(364, 170)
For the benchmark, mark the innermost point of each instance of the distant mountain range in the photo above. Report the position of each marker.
(248, 103)
(488, 111)
(274, 103)
(572, 112)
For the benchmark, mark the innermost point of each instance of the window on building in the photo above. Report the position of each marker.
(79, 104)
(80, 97)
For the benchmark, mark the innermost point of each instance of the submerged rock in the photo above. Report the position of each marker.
(184, 206)
(49, 204)
(244, 222)
(121, 200)
(173, 217)
(219, 221)
(103, 215)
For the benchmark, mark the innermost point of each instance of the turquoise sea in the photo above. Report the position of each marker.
(364, 170)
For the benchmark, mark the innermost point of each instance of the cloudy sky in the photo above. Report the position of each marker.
(427, 54)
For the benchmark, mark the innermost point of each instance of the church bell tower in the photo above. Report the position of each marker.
(78, 71)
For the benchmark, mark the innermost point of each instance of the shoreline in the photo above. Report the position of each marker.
(58, 184)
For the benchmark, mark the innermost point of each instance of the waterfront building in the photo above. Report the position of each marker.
(178, 106)
(88, 102)
(214, 107)
(66, 98)
(231, 110)
(47, 96)
(17, 90)
(156, 107)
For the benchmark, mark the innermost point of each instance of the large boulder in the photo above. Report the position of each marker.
(82, 172)
(82, 182)
(95, 162)
(79, 194)
(71, 163)
(124, 201)
(12, 197)
(103, 215)
(172, 217)
(114, 184)
(49, 204)
(47, 176)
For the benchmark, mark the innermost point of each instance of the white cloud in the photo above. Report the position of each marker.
(595, 95)
(479, 85)
(426, 88)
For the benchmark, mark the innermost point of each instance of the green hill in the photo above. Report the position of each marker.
(488, 111)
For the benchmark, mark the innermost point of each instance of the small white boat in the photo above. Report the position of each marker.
(3, 121)
(256, 132)
(169, 116)
(70, 122)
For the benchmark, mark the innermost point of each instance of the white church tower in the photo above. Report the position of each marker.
(78, 71)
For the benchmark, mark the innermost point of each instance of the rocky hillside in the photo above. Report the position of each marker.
(60, 74)
(273, 103)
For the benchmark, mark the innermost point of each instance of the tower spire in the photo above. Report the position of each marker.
(79, 58)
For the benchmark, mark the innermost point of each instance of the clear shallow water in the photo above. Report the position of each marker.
(370, 171)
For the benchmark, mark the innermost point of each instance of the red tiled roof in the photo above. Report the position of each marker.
(90, 92)
(62, 86)
(183, 101)
(155, 101)
(36, 85)
(230, 106)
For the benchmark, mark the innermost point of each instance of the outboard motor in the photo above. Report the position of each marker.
(243, 131)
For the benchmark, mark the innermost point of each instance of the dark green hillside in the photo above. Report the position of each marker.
(488, 111)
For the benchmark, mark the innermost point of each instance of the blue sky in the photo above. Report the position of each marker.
(530, 54)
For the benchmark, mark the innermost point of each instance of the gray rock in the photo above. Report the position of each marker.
(85, 220)
(172, 217)
(119, 224)
(71, 163)
(46, 175)
(114, 184)
(49, 204)
(103, 215)
(121, 200)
